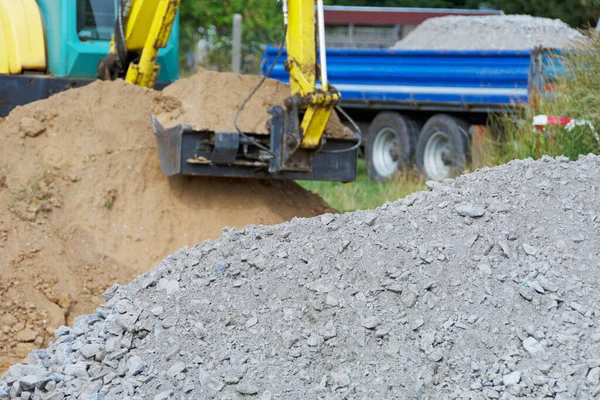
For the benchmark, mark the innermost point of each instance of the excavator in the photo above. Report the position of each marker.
(139, 51)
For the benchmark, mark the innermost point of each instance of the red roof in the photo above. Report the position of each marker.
(393, 15)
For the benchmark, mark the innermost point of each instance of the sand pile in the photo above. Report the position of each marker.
(510, 32)
(84, 204)
(485, 287)
(209, 100)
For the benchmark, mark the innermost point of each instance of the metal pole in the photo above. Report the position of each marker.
(322, 45)
(236, 59)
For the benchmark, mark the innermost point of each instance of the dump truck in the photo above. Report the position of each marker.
(420, 105)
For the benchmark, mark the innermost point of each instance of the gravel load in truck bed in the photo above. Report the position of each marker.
(510, 32)
(485, 287)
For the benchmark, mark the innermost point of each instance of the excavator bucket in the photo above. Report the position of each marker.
(276, 155)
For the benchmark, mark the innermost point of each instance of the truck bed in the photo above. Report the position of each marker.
(427, 80)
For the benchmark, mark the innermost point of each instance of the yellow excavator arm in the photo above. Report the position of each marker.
(142, 28)
(144, 73)
(296, 127)
(302, 65)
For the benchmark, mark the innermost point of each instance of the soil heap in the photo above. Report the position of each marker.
(485, 287)
(84, 204)
(209, 100)
(508, 32)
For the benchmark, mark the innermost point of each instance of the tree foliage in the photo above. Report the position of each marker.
(213, 19)
(573, 14)
(576, 15)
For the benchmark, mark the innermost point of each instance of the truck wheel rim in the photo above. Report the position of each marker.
(437, 158)
(386, 152)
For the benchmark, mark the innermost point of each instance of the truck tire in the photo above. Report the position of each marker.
(443, 147)
(389, 145)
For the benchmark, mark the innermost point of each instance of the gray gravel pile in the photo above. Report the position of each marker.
(510, 32)
(485, 287)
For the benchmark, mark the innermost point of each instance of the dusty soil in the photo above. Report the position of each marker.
(209, 100)
(84, 204)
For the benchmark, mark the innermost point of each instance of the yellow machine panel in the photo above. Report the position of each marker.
(140, 22)
(22, 41)
(158, 24)
(147, 30)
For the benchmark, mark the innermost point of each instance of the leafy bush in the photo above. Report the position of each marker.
(575, 94)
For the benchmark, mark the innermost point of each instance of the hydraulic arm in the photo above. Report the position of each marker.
(141, 30)
(302, 66)
(294, 148)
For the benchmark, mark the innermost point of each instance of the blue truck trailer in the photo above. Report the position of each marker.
(420, 105)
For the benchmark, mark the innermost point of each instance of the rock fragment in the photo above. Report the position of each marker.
(470, 210)
(135, 365)
(529, 250)
(593, 376)
(176, 369)
(511, 379)
(533, 347)
(32, 127)
(251, 322)
(436, 356)
(340, 379)
(370, 322)
(246, 388)
(26, 335)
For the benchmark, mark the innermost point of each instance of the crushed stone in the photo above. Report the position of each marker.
(508, 32)
(405, 323)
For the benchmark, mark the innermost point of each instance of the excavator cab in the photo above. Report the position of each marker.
(96, 19)
(49, 46)
(78, 34)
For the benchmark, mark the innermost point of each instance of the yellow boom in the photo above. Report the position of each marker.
(302, 65)
(143, 27)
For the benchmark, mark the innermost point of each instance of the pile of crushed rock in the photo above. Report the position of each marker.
(507, 32)
(485, 287)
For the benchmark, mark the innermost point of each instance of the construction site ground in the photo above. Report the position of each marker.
(84, 203)
(482, 287)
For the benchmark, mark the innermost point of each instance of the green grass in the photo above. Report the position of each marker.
(364, 194)
(576, 95)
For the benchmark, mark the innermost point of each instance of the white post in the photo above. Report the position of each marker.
(285, 12)
(322, 45)
(236, 59)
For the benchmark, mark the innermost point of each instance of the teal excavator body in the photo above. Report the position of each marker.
(77, 35)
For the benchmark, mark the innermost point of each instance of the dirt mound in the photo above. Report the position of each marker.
(507, 32)
(209, 100)
(84, 204)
